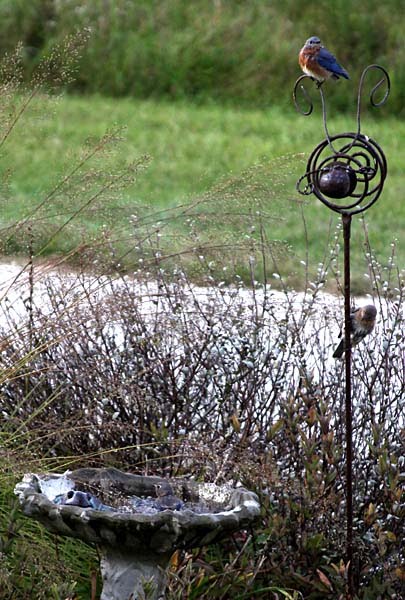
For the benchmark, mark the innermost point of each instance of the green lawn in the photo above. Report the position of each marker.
(192, 148)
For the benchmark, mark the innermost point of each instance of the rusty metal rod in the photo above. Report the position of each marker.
(369, 184)
(347, 220)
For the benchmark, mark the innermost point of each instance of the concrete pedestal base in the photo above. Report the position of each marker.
(128, 576)
(135, 547)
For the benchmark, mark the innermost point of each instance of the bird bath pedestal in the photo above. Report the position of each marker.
(135, 544)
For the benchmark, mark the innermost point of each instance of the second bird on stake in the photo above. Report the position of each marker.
(362, 321)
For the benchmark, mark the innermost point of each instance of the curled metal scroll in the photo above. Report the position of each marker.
(353, 160)
(307, 97)
(359, 157)
(385, 80)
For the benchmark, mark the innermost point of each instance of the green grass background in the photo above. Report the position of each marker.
(204, 88)
(192, 148)
(229, 51)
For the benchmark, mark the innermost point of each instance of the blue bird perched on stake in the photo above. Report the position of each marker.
(317, 62)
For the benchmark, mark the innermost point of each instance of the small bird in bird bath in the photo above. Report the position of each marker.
(166, 500)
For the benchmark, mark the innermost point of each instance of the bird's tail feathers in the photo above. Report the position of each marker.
(338, 353)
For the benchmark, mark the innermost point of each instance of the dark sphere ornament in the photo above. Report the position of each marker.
(337, 180)
(346, 172)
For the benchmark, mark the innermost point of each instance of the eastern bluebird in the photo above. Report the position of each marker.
(362, 321)
(166, 500)
(317, 62)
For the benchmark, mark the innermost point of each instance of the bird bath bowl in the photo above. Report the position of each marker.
(135, 533)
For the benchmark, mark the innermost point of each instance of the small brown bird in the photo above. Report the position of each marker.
(362, 321)
(166, 500)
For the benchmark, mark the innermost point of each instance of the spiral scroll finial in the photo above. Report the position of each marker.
(346, 171)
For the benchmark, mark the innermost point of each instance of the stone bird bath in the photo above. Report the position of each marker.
(135, 535)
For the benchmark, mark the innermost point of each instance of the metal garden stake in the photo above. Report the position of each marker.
(346, 172)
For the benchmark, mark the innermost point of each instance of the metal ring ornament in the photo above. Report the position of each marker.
(356, 171)
(348, 165)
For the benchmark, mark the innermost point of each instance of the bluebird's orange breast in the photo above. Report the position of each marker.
(309, 64)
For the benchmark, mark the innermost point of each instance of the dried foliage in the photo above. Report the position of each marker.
(158, 375)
